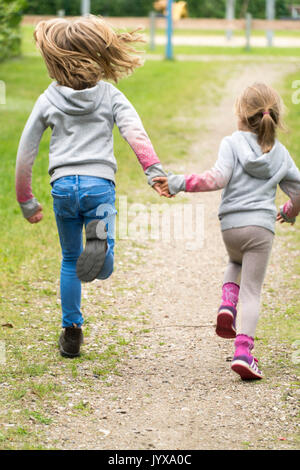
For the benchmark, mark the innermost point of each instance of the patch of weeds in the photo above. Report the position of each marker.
(38, 417)
(83, 407)
(74, 370)
(45, 390)
(122, 341)
(18, 393)
(35, 370)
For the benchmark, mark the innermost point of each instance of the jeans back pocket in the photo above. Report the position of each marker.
(64, 204)
(95, 204)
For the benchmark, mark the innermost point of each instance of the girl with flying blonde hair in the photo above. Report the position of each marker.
(81, 108)
(251, 165)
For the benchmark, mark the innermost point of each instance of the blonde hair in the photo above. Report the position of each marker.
(80, 52)
(260, 110)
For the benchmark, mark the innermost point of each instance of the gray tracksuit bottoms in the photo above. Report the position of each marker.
(249, 250)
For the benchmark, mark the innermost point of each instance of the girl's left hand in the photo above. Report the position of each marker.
(37, 217)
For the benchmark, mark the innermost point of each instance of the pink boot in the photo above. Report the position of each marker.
(226, 318)
(243, 362)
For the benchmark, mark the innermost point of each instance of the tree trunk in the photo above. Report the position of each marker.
(244, 8)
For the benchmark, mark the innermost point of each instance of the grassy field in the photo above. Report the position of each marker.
(35, 376)
(220, 32)
(264, 52)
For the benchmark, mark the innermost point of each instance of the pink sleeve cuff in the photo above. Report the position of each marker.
(144, 152)
(207, 181)
(287, 208)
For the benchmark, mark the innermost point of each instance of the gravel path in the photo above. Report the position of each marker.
(177, 390)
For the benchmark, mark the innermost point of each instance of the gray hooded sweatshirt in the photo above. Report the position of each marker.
(250, 179)
(82, 123)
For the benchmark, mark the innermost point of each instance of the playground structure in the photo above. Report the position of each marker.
(179, 9)
(230, 16)
(174, 11)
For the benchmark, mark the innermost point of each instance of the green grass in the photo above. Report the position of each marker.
(222, 32)
(286, 320)
(265, 52)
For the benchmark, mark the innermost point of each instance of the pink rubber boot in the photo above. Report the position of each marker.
(226, 319)
(243, 362)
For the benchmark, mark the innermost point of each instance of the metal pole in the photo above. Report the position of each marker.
(152, 30)
(270, 14)
(230, 15)
(85, 7)
(169, 48)
(248, 31)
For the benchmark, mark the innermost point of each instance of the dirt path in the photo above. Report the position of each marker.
(177, 390)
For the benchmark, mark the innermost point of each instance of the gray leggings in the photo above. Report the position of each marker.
(249, 250)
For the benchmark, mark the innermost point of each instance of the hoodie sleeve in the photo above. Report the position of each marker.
(27, 152)
(212, 180)
(291, 186)
(132, 130)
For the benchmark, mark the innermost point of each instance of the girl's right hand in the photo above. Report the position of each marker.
(37, 217)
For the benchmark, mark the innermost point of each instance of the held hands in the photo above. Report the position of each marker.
(280, 219)
(162, 186)
(37, 217)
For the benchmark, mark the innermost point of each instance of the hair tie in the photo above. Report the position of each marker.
(266, 112)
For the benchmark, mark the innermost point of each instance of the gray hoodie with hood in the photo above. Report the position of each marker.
(82, 123)
(250, 179)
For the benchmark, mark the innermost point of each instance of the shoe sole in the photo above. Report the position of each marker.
(91, 260)
(65, 354)
(245, 371)
(225, 327)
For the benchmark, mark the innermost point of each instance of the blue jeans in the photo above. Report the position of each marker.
(77, 200)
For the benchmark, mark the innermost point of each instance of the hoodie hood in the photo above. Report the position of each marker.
(75, 102)
(253, 160)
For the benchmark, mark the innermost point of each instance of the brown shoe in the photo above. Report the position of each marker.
(70, 340)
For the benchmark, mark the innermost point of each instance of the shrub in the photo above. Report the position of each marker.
(10, 18)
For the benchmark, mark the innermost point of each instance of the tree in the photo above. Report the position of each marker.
(197, 8)
(207, 8)
(258, 8)
(10, 18)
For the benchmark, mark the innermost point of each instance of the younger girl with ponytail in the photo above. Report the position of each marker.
(251, 164)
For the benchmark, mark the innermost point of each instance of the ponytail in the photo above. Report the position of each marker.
(266, 132)
(260, 110)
